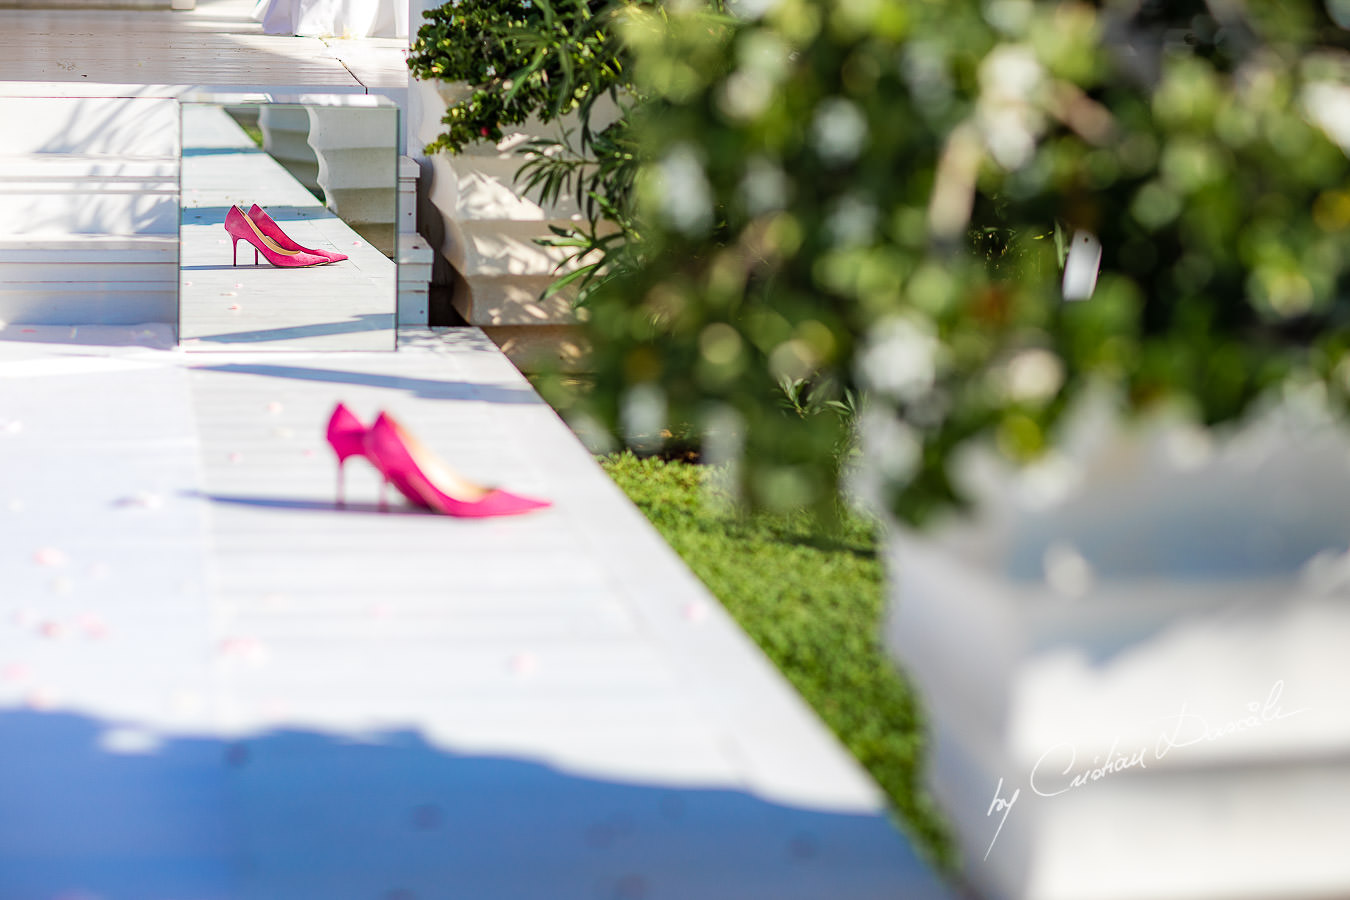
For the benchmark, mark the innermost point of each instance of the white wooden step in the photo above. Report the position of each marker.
(487, 189)
(512, 300)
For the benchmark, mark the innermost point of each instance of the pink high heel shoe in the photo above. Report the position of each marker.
(241, 227)
(346, 435)
(268, 226)
(427, 482)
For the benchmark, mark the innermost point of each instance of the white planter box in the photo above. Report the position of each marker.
(1138, 689)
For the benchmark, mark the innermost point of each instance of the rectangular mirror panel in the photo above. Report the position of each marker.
(323, 178)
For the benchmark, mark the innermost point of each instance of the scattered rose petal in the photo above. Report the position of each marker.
(275, 407)
(244, 648)
(238, 284)
(187, 284)
(50, 556)
(93, 626)
(41, 699)
(695, 611)
(235, 307)
(229, 293)
(15, 672)
(524, 663)
(235, 456)
(141, 500)
(53, 630)
(28, 331)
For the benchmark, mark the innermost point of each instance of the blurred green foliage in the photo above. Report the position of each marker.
(872, 197)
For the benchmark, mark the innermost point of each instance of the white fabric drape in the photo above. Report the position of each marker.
(334, 18)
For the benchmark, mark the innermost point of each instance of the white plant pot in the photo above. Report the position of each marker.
(1136, 668)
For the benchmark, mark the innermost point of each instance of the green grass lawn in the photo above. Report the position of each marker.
(812, 600)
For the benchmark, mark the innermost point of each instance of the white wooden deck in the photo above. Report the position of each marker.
(349, 305)
(215, 47)
(214, 683)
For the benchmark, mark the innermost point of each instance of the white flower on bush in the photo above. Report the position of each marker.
(852, 221)
(892, 442)
(678, 186)
(839, 130)
(1008, 117)
(1033, 376)
(899, 359)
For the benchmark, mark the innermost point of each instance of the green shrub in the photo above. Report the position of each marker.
(851, 196)
(875, 196)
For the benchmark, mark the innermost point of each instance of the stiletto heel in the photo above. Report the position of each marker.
(427, 482)
(268, 226)
(240, 227)
(346, 435)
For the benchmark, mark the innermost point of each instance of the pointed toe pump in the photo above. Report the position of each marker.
(240, 227)
(346, 435)
(268, 226)
(428, 482)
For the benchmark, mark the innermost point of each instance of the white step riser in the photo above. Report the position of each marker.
(89, 273)
(57, 214)
(116, 127)
(514, 301)
(122, 304)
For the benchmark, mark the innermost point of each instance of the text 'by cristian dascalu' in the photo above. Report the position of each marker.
(1059, 769)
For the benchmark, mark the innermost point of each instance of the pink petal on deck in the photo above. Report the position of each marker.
(53, 630)
(93, 626)
(13, 672)
(524, 664)
(235, 456)
(275, 407)
(245, 648)
(695, 611)
(41, 699)
(50, 556)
